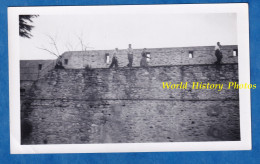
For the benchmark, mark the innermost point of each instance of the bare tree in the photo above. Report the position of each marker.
(69, 47)
(45, 49)
(54, 49)
(53, 43)
(84, 46)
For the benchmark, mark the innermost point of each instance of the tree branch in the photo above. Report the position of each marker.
(48, 51)
(53, 43)
(81, 41)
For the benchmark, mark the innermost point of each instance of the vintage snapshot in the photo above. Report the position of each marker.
(136, 78)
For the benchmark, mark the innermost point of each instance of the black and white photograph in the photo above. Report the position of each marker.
(129, 78)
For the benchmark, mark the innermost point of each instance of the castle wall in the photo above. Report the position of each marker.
(129, 105)
(29, 69)
(159, 56)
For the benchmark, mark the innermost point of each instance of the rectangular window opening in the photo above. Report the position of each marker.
(40, 67)
(235, 52)
(66, 61)
(107, 58)
(190, 54)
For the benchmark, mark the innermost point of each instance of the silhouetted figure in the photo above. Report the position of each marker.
(59, 63)
(218, 53)
(143, 62)
(130, 55)
(114, 59)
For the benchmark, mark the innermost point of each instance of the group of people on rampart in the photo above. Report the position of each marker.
(145, 57)
(144, 62)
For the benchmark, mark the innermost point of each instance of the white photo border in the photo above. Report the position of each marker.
(241, 9)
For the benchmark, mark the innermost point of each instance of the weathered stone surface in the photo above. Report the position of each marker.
(134, 121)
(129, 105)
(137, 83)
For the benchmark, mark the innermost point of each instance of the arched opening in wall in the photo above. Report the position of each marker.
(235, 52)
(66, 61)
(190, 54)
(40, 67)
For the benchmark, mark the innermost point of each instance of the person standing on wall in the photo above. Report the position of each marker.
(148, 57)
(130, 55)
(143, 62)
(218, 53)
(114, 59)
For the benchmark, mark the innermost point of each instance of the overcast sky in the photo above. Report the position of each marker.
(108, 31)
